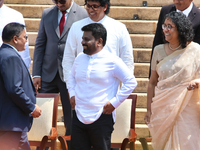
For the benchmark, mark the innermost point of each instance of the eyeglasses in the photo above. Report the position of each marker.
(94, 7)
(26, 37)
(61, 1)
(168, 27)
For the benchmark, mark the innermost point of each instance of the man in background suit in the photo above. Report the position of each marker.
(49, 47)
(8, 15)
(17, 92)
(118, 39)
(189, 9)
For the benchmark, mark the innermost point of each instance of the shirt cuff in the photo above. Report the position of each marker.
(115, 102)
(33, 111)
(36, 76)
(72, 93)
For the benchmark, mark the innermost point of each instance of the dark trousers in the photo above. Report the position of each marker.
(14, 140)
(96, 135)
(56, 86)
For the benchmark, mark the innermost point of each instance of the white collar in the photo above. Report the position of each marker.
(68, 10)
(187, 10)
(12, 47)
(98, 54)
(100, 21)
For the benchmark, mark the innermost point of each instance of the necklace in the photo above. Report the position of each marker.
(174, 48)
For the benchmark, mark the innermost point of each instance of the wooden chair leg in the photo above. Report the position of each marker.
(132, 145)
(63, 143)
(43, 143)
(53, 145)
(144, 143)
(124, 144)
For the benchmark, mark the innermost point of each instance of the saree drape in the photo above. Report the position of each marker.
(175, 119)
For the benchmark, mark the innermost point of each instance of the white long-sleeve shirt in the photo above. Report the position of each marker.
(94, 81)
(118, 43)
(8, 15)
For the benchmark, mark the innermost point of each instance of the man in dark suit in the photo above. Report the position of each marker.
(47, 69)
(189, 9)
(17, 92)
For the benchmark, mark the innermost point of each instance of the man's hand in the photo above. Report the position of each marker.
(72, 102)
(108, 108)
(37, 112)
(37, 83)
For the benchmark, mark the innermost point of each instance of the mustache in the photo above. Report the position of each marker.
(84, 45)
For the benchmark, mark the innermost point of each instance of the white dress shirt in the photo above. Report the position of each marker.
(8, 15)
(94, 81)
(118, 42)
(186, 11)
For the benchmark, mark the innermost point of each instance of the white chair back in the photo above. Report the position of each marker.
(42, 125)
(123, 122)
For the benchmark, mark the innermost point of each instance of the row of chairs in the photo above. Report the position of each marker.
(44, 129)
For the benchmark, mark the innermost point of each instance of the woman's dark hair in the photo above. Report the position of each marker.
(184, 27)
(103, 3)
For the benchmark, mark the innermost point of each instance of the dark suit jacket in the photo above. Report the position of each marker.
(194, 17)
(17, 92)
(50, 45)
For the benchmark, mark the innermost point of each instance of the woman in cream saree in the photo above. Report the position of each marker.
(175, 119)
(173, 103)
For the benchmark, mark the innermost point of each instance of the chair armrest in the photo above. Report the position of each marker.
(133, 136)
(54, 134)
